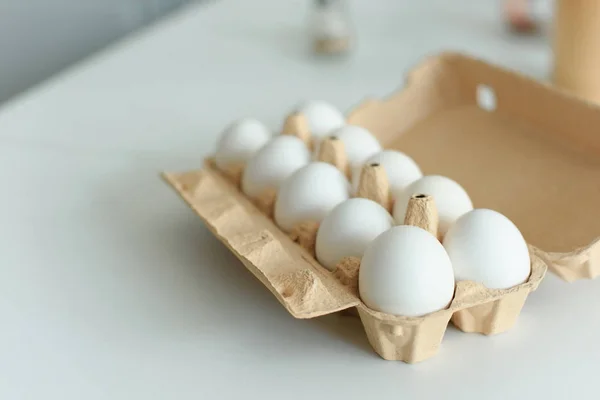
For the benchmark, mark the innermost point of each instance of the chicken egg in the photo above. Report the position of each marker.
(239, 141)
(309, 194)
(488, 248)
(450, 198)
(406, 271)
(348, 229)
(359, 144)
(400, 170)
(274, 163)
(322, 118)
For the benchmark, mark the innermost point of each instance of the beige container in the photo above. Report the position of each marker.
(474, 309)
(577, 47)
(286, 265)
(500, 135)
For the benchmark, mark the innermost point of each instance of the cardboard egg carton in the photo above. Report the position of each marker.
(286, 265)
(474, 308)
(497, 133)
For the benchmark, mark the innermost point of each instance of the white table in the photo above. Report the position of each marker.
(110, 287)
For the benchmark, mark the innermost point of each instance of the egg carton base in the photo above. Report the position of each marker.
(473, 309)
(491, 318)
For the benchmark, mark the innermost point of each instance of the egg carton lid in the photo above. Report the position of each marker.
(518, 146)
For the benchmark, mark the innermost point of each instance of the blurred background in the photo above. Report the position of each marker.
(40, 37)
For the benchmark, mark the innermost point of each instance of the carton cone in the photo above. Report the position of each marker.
(373, 185)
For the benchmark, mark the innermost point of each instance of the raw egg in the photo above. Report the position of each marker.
(239, 141)
(359, 144)
(322, 118)
(348, 229)
(400, 170)
(274, 163)
(406, 271)
(488, 248)
(450, 198)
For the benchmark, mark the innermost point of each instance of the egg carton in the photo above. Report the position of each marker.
(497, 133)
(286, 265)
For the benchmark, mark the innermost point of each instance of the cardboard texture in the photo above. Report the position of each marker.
(297, 125)
(576, 41)
(292, 274)
(373, 185)
(305, 234)
(331, 150)
(473, 309)
(422, 212)
(307, 289)
(536, 144)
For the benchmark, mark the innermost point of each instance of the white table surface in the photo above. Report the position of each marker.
(111, 288)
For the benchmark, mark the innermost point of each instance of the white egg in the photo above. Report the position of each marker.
(406, 271)
(239, 141)
(309, 194)
(486, 247)
(359, 144)
(450, 198)
(348, 229)
(400, 169)
(322, 118)
(273, 164)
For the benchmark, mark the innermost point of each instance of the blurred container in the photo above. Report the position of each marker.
(577, 47)
(331, 27)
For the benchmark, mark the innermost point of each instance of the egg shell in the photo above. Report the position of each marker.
(400, 170)
(406, 271)
(348, 229)
(274, 163)
(450, 198)
(239, 141)
(309, 194)
(486, 247)
(359, 144)
(322, 118)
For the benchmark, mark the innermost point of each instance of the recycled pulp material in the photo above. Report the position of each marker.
(308, 290)
(290, 272)
(503, 136)
(373, 185)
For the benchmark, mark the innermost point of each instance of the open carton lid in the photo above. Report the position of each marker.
(517, 146)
